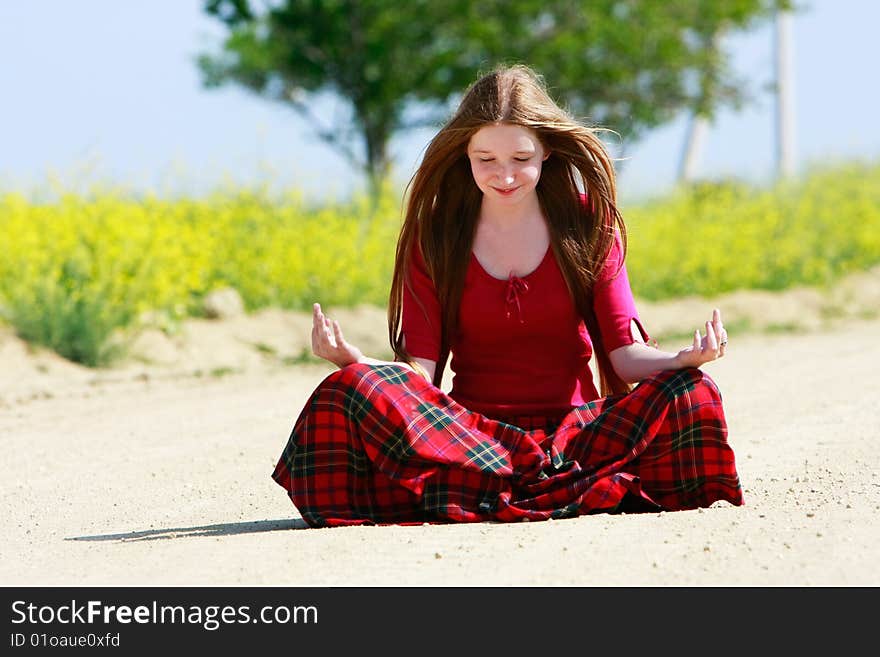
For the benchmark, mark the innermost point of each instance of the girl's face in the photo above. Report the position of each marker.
(506, 161)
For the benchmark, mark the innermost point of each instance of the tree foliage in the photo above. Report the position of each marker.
(628, 65)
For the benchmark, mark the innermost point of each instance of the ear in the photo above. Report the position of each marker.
(546, 155)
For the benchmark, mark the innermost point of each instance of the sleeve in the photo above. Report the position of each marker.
(420, 320)
(613, 302)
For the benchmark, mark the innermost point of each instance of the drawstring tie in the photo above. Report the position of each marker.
(515, 287)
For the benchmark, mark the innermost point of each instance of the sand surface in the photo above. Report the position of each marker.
(157, 471)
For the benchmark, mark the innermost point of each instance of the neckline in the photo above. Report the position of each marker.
(504, 280)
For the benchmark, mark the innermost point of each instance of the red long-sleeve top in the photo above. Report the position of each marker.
(521, 347)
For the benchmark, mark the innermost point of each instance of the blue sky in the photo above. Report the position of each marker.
(107, 91)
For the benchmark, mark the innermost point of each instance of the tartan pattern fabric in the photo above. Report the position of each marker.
(379, 444)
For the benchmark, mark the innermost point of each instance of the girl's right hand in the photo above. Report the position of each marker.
(329, 343)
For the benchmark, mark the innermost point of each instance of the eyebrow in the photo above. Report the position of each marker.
(480, 150)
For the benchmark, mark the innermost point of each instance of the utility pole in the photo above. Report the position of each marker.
(785, 127)
(693, 145)
(699, 123)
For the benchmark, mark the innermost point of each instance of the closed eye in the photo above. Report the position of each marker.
(518, 159)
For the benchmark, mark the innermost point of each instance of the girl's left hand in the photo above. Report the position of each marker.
(706, 348)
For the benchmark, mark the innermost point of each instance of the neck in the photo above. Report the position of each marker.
(503, 215)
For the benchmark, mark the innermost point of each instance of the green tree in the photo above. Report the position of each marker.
(628, 65)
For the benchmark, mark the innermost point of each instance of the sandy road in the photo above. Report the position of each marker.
(166, 481)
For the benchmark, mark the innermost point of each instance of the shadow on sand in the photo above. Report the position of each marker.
(224, 529)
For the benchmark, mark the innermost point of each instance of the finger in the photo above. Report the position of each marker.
(716, 322)
(321, 335)
(720, 331)
(337, 333)
(323, 321)
(320, 321)
(328, 333)
(697, 346)
(318, 345)
(711, 338)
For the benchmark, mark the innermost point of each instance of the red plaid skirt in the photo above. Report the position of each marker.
(379, 444)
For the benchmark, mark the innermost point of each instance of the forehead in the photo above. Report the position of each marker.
(504, 137)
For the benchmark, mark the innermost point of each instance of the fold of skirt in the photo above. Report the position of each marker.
(379, 444)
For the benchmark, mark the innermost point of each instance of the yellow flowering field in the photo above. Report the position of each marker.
(714, 238)
(74, 270)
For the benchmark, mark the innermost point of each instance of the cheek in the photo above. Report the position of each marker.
(481, 172)
(531, 172)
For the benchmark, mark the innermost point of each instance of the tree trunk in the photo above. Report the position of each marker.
(377, 165)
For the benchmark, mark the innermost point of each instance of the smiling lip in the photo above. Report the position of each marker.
(506, 192)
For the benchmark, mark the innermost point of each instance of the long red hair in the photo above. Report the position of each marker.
(443, 205)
